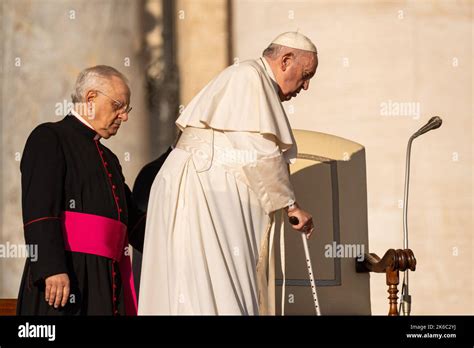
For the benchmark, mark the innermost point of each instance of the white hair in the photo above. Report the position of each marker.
(95, 77)
(273, 51)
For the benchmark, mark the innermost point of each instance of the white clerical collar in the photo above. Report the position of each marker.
(80, 118)
(268, 68)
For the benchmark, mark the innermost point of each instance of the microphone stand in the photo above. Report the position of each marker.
(433, 123)
(405, 302)
(395, 261)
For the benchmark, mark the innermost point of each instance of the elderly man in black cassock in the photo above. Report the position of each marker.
(77, 208)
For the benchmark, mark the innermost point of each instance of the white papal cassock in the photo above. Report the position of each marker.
(210, 225)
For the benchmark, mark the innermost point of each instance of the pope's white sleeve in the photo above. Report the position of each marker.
(266, 172)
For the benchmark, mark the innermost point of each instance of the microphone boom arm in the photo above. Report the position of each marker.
(434, 123)
(405, 301)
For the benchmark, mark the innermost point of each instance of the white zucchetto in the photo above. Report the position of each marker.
(296, 40)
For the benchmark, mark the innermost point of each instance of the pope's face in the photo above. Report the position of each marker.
(110, 103)
(295, 73)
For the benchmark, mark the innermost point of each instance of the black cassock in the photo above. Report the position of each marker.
(141, 192)
(65, 170)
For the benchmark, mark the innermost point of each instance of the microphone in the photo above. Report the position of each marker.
(434, 123)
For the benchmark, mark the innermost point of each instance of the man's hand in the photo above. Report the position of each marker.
(57, 289)
(305, 221)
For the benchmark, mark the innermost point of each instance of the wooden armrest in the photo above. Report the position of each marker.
(391, 264)
(393, 260)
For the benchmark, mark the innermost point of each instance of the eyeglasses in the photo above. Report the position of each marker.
(118, 105)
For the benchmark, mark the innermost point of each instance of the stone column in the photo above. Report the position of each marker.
(187, 44)
(203, 42)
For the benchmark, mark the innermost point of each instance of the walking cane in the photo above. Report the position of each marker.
(294, 221)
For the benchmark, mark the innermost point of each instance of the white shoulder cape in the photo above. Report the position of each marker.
(242, 98)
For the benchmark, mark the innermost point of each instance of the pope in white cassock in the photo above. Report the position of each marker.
(211, 214)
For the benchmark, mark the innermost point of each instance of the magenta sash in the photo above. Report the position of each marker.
(98, 235)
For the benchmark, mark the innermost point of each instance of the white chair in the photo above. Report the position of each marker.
(329, 178)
